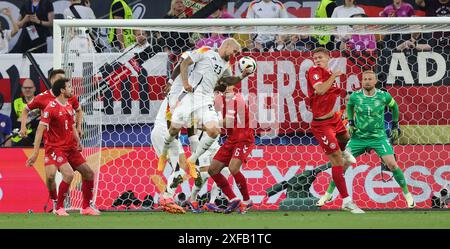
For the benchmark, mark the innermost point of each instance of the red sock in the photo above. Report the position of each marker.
(53, 194)
(223, 184)
(63, 189)
(86, 188)
(339, 180)
(241, 183)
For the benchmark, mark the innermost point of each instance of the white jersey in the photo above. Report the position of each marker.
(271, 9)
(207, 69)
(343, 12)
(261, 9)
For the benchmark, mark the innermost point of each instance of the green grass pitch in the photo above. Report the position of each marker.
(263, 219)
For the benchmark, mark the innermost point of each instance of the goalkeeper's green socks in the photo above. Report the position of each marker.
(400, 179)
(331, 187)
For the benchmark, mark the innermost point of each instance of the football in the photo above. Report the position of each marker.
(247, 62)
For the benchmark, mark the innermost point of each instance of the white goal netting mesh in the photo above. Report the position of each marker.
(121, 91)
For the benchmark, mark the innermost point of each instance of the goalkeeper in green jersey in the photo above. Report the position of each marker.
(365, 111)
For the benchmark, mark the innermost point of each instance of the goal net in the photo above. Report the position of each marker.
(120, 91)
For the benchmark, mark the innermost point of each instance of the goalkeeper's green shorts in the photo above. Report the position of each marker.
(357, 146)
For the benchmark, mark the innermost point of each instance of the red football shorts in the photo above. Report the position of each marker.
(230, 150)
(59, 157)
(325, 132)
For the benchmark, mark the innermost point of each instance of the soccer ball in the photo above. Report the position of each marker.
(247, 62)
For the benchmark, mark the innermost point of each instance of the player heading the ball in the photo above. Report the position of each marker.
(196, 102)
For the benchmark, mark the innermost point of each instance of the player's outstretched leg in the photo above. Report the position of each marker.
(208, 138)
(241, 182)
(215, 190)
(337, 171)
(391, 163)
(222, 183)
(50, 173)
(198, 185)
(168, 139)
(87, 188)
(67, 174)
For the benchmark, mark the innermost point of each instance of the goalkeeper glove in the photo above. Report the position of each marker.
(395, 131)
(351, 127)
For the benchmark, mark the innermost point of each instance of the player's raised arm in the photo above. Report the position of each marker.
(184, 73)
(322, 87)
(37, 144)
(233, 80)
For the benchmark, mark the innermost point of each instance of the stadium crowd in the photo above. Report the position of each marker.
(36, 21)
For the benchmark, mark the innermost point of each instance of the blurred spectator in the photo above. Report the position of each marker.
(213, 40)
(360, 42)
(7, 34)
(346, 10)
(325, 10)
(418, 41)
(437, 8)
(82, 9)
(80, 41)
(401, 42)
(120, 38)
(28, 90)
(266, 9)
(221, 13)
(176, 42)
(141, 40)
(142, 79)
(398, 8)
(5, 126)
(302, 43)
(36, 19)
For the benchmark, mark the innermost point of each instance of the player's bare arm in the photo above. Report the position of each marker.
(322, 88)
(79, 121)
(184, 73)
(23, 123)
(233, 80)
(37, 143)
(77, 138)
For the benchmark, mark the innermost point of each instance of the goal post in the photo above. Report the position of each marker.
(121, 92)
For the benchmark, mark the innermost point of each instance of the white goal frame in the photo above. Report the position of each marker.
(58, 25)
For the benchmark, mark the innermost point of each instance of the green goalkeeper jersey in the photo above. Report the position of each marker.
(369, 112)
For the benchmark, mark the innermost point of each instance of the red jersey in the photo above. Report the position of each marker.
(235, 109)
(43, 99)
(59, 120)
(320, 105)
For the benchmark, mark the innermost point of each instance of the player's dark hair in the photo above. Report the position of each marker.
(58, 85)
(321, 50)
(55, 72)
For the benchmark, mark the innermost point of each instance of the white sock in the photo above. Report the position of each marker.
(203, 146)
(196, 189)
(167, 140)
(193, 142)
(347, 199)
(214, 193)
